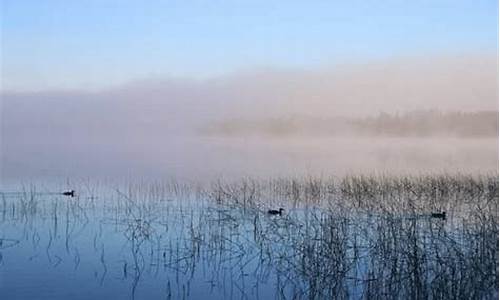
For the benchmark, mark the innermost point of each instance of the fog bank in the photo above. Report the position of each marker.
(140, 125)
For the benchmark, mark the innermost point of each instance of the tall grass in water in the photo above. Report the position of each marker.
(409, 194)
(375, 235)
(353, 237)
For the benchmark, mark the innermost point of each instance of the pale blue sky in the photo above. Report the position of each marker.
(99, 43)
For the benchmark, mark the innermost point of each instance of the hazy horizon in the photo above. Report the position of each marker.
(151, 127)
(126, 87)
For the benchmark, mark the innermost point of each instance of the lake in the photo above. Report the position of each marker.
(348, 237)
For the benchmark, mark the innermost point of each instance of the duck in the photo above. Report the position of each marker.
(275, 212)
(437, 215)
(70, 193)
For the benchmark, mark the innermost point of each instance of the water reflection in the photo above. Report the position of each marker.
(357, 237)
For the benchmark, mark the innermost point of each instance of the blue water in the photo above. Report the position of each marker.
(152, 244)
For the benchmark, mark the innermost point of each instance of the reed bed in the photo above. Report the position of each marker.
(369, 237)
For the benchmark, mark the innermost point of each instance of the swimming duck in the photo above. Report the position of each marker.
(275, 212)
(70, 193)
(441, 215)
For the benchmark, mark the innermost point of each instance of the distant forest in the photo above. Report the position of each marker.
(409, 124)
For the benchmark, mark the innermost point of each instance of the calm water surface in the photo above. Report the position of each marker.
(171, 241)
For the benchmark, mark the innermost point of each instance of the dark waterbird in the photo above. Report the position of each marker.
(441, 215)
(275, 212)
(70, 193)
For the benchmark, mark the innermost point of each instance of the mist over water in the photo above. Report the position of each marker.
(161, 128)
(204, 159)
